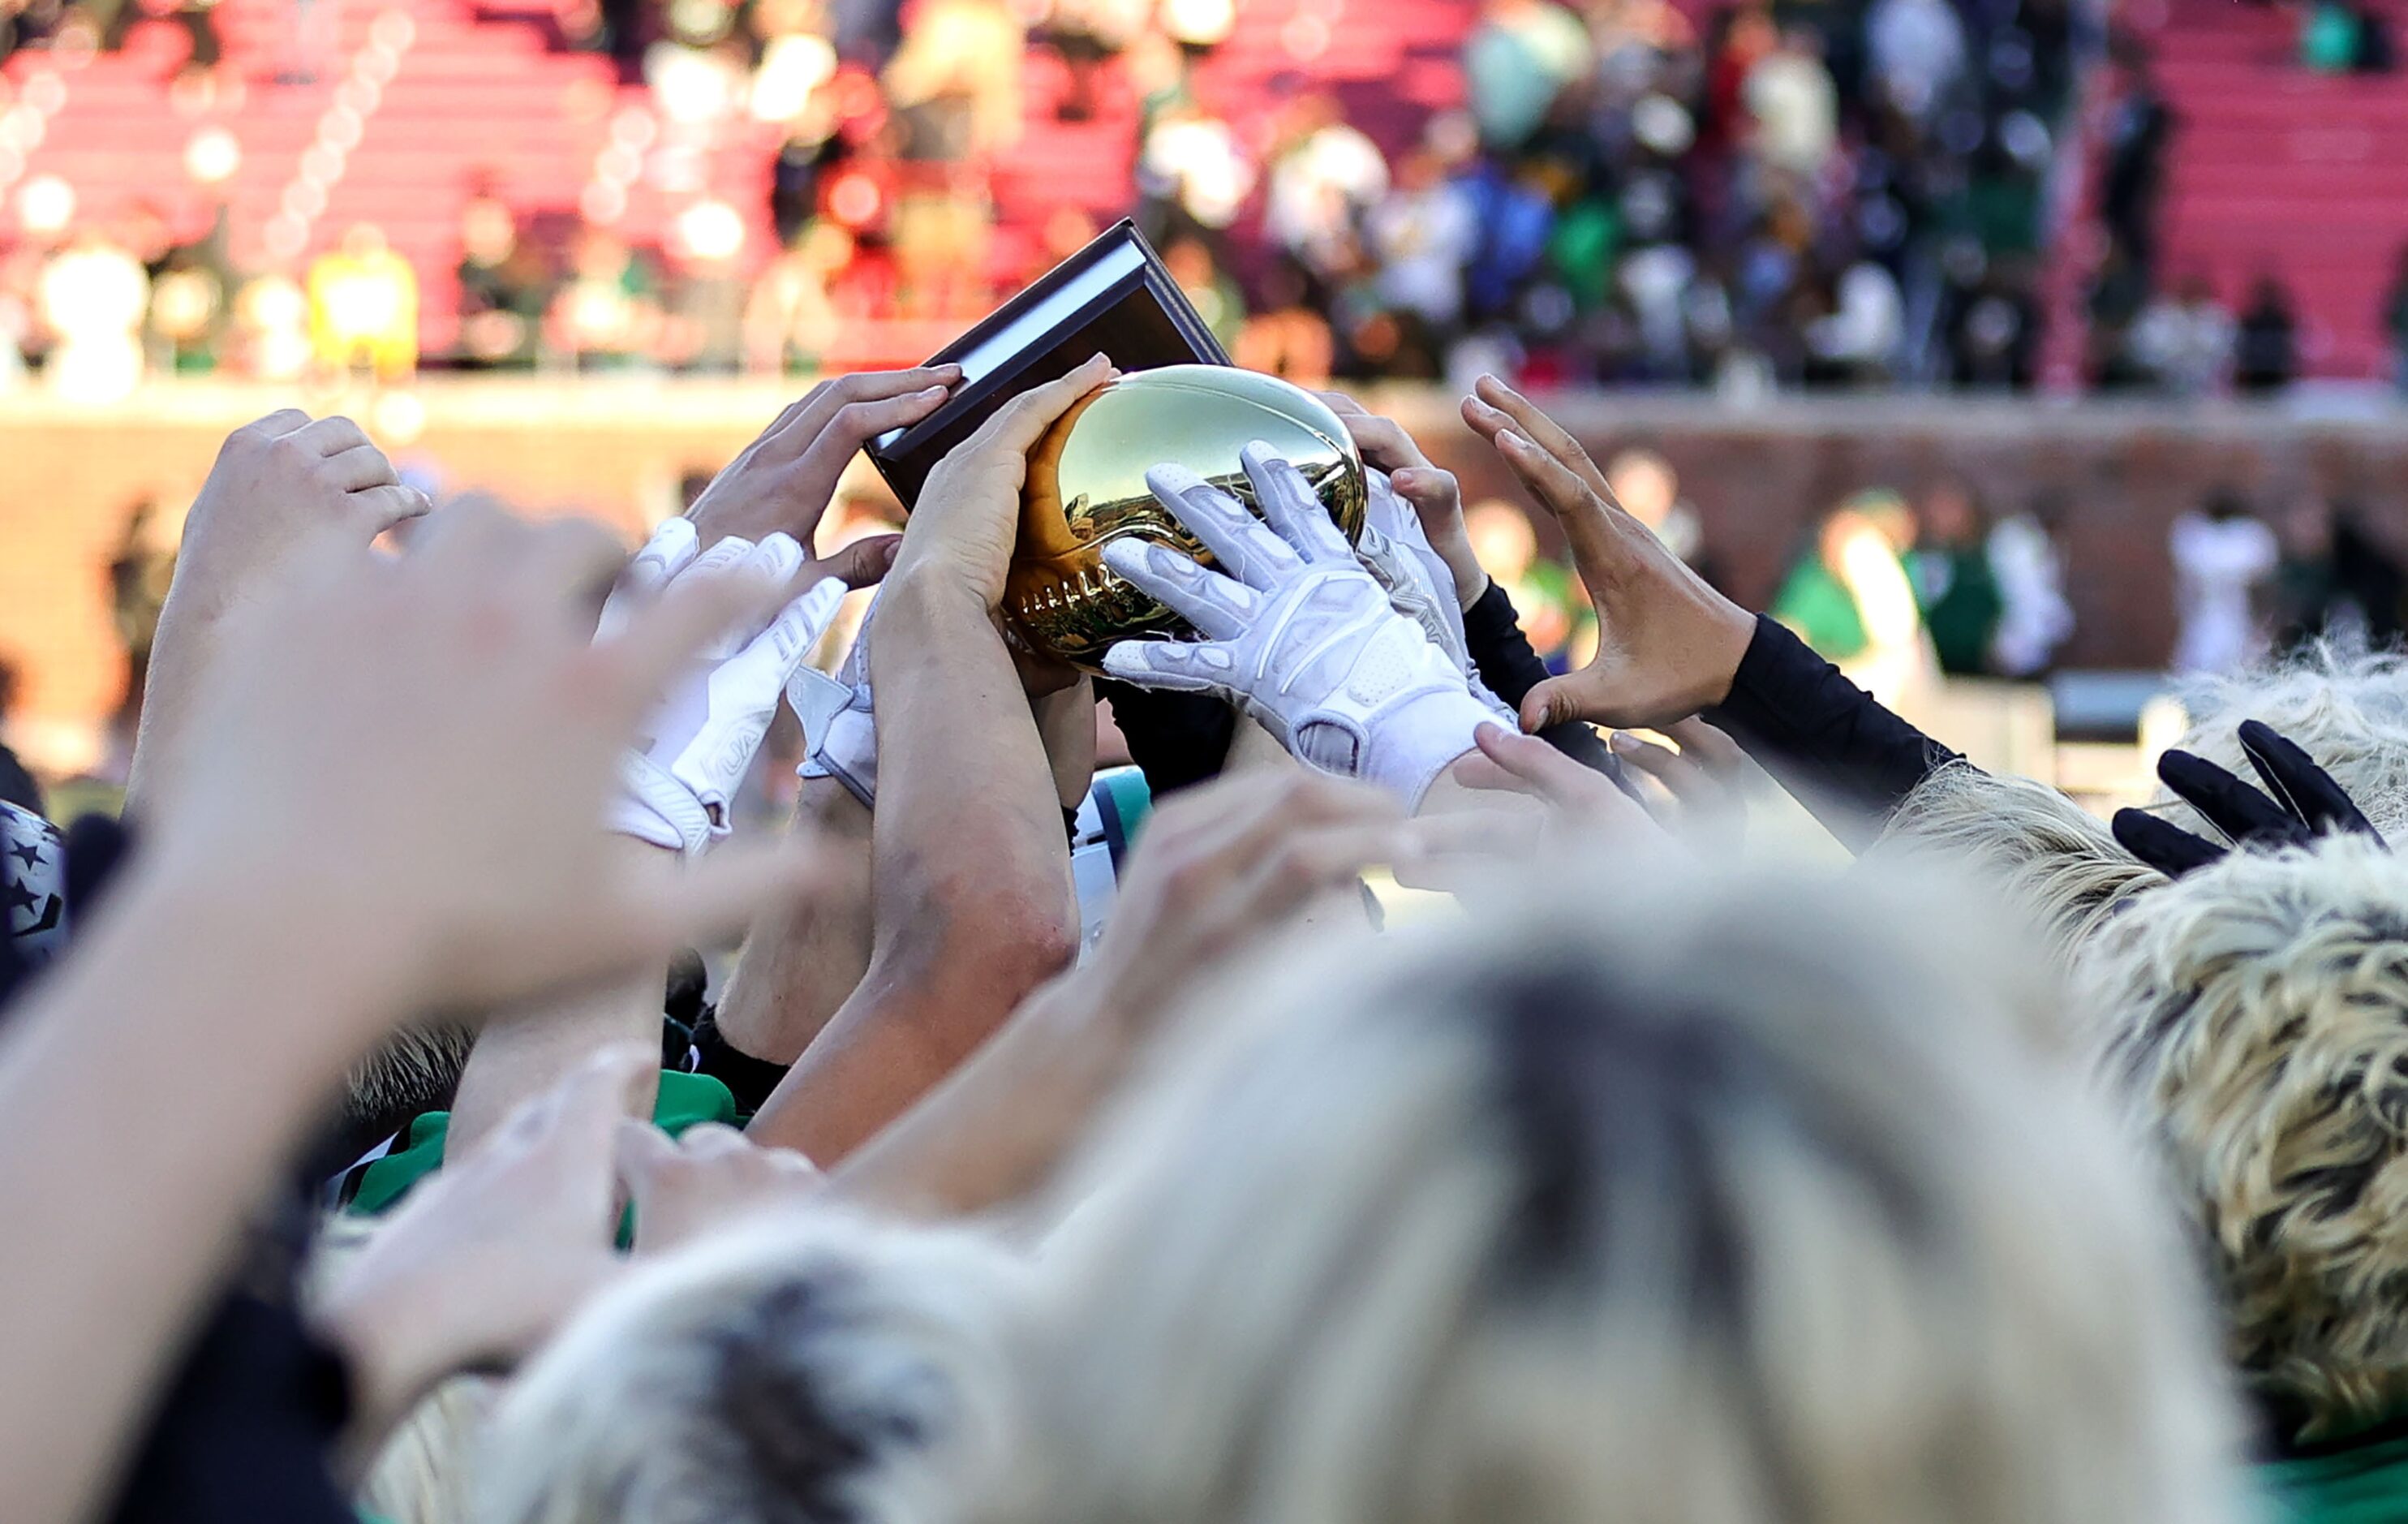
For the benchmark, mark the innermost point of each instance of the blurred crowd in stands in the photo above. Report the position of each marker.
(1813, 194)
(1808, 194)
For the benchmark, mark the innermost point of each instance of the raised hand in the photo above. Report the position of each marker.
(1704, 783)
(282, 488)
(414, 755)
(704, 1179)
(781, 482)
(1511, 763)
(491, 1255)
(1297, 633)
(2302, 802)
(680, 783)
(279, 487)
(1668, 645)
(1432, 494)
(968, 518)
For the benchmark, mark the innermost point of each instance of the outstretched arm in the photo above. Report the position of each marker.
(971, 896)
(1669, 646)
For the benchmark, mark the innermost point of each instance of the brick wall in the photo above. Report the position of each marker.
(616, 447)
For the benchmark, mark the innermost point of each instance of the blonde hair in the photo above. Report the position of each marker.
(2261, 1020)
(2056, 863)
(820, 1368)
(1723, 1205)
(2348, 708)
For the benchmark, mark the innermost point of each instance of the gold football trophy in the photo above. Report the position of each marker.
(1086, 488)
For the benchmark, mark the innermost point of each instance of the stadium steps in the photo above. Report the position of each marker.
(2274, 168)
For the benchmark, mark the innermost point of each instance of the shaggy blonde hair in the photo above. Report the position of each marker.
(2346, 706)
(1735, 1203)
(2259, 1016)
(820, 1368)
(2061, 865)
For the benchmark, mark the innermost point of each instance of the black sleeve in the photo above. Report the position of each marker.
(244, 1432)
(1847, 758)
(1177, 738)
(1492, 634)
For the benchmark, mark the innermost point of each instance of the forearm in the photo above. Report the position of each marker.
(521, 1053)
(524, 1051)
(800, 963)
(147, 1097)
(1849, 760)
(187, 637)
(972, 896)
(994, 1131)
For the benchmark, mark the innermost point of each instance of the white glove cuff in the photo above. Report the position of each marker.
(653, 806)
(1416, 741)
(848, 752)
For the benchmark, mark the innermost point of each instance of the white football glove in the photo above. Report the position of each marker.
(839, 719)
(1396, 549)
(676, 789)
(1298, 634)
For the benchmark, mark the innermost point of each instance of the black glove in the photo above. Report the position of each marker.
(2305, 803)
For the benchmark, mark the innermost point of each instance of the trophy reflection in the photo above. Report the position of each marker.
(1086, 488)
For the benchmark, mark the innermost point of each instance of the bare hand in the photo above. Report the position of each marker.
(409, 760)
(1704, 782)
(1434, 494)
(1527, 764)
(280, 487)
(1223, 865)
(486, 1259)
(782, 482)
(1668, 644)
(967, 519)
(710, 1176)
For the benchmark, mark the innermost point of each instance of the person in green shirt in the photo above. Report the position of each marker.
(1952, 581)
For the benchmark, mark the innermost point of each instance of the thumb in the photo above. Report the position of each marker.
(864, 562)
(1550, 703)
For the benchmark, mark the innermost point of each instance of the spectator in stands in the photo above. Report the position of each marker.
(1213, 292)
(1420, 238)
(1287, 335)
(2335, 583)
(2330, 35)
(705, 323)
(1523, 55)
(1087, 35)
(954, 87)
(1849, 597)
(94, 296)
(191, 294)
(363, 306)
(504, 286)
(1795, 111)
(1193, 174)
(271, 327)
(1649, 490)
(2184, 338)
(2035, 617)
(607, 315)
(2264, 344)
(1917, 51)
(792, 315)
(1324, 176)
(2222, 555)
(1545, 595)
(1954, 583)
(2140, 124)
